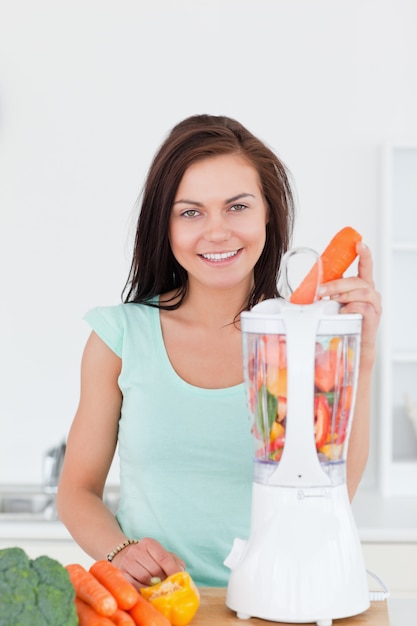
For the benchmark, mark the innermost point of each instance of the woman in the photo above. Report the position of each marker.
(162, 373)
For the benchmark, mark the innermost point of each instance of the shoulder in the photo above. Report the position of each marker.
(114, 312)
(119, 314)
(113, 322)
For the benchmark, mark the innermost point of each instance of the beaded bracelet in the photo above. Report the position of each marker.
(120, 547)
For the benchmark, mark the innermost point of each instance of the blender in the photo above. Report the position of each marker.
(303, 561)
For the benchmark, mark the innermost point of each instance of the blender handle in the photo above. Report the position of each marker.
(299, 465)
(284, 287)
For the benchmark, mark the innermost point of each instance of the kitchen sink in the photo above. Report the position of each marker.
(35, 504)
(25, 503)
(28, 504)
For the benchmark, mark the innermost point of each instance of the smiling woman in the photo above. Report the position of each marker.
(221, 227)
(162, 374)
(154, 269)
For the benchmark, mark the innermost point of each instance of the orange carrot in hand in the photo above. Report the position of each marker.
(88, 589)
(114, 581)
(145, 614)
(122, 618)
(335, 260)
(87, 616)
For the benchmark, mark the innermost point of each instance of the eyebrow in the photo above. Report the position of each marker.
(233, 199)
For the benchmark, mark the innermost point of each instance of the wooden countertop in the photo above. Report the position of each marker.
(214, 612)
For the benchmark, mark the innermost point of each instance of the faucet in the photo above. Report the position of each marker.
(52, 465)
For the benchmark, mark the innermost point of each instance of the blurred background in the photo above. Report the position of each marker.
(89, 89)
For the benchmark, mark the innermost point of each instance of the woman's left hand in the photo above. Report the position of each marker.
(357, 294)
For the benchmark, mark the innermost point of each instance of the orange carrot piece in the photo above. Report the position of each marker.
(87, 616)
(122, 618)
(145, 614)
(88, 588)
(114, 581)
(335, 260)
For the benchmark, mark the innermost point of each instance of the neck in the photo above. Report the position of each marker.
(215, 307)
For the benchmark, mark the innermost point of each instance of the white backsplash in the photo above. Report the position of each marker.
(75, 152)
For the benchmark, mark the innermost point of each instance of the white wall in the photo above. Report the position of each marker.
(89, 88)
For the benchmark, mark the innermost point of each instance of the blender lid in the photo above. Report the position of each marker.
(268, 317)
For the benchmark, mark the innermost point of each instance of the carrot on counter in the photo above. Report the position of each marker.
(122, 618)
(87, 616)
(335, 260)
(88, 589)
(145, 614)
(114, 581)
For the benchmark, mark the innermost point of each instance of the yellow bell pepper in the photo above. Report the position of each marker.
(176, 597)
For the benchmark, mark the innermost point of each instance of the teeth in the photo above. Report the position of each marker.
(219, 257)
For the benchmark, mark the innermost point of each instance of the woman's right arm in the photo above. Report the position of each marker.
(89, 453)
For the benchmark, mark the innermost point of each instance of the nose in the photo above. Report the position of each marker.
(217, 229)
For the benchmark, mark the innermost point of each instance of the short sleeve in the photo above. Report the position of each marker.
(107, 322)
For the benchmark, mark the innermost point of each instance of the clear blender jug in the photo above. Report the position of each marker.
(336, 354)
(303, 561)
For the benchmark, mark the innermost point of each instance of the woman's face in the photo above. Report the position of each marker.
(217, 225)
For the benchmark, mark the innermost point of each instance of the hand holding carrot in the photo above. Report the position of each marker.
(357, 294)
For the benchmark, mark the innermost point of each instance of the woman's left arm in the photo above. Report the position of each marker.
(357, 294)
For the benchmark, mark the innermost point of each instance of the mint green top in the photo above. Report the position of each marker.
(186, 453)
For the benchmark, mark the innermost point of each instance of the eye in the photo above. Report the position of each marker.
(238, 207)
(190, 213)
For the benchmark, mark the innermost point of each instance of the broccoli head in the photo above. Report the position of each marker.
(34, 592)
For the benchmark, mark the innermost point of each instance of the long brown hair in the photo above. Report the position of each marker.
(154, 269)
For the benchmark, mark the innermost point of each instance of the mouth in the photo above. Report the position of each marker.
(216, 257)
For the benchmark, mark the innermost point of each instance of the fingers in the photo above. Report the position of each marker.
(365, 264)
(148, 559)
(356, 293)
(359, 298)
(353, 290)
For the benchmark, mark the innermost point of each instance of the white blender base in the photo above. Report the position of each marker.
(320, 622)
(303, 561)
